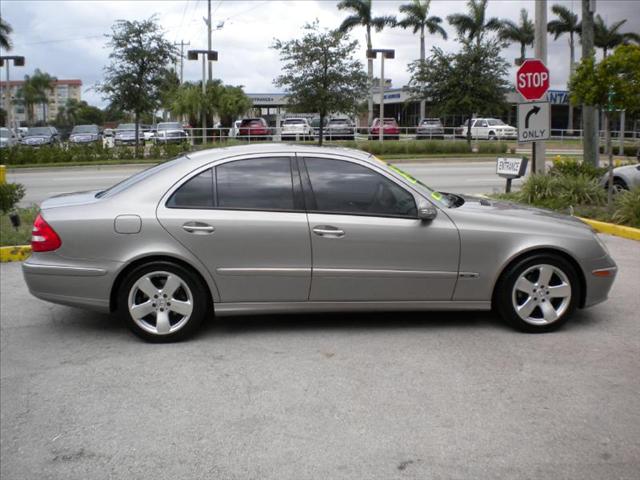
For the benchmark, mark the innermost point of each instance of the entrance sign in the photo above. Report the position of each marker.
(511, 167)
(534, 121)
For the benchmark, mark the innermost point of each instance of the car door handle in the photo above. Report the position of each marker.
(328, 231)
(197, 227)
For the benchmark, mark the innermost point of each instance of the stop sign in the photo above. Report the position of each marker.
(532, 79)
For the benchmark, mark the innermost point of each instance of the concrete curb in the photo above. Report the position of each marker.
(613, 229)
(16, 253)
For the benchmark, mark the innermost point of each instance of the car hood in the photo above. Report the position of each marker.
(521, 213)
(69, 199)
(37, 137)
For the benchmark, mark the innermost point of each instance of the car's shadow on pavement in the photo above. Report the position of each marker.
(352, 321)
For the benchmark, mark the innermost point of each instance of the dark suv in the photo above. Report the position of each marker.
(40, 137)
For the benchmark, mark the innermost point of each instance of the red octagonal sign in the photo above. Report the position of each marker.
(532, 79)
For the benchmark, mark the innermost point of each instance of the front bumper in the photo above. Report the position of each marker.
(598, 286)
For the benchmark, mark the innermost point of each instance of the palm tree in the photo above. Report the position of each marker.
(474, 25)
(362, 16)
(567, 22)
(5, 30)
(521, 33)
(35, 90)
(417, 17)
(608, 38)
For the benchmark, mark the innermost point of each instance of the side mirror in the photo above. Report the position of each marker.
(427, 212)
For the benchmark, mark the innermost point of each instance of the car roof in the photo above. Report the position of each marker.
(213, 154)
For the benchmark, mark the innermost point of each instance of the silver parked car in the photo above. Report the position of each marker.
(289, 228)
(624, 178)
(430, 128)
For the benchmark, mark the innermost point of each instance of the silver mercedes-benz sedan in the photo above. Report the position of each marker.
(289, 228)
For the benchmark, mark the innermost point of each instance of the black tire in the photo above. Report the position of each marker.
(619, 185)
(506, 295)
(492, 136)
(199, 301)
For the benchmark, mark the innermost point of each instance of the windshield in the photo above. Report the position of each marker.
(39, 131)
(4, 133)
(127, 126)
(293, 121)
(431, 121)
(493, 122)
(170, 126)
(85, 129)
(441, 199)
(339, 121)
(135, 178)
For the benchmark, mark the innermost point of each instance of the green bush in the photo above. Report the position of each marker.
(628, 150)
(10, 195)
(572, 168)
(627, 208)
(561, 191)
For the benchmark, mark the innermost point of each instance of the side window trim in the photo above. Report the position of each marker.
(312, 206)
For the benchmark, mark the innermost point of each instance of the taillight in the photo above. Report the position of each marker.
(43, 237)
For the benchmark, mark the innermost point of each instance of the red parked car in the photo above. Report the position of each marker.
(254, 127)
(390, 129)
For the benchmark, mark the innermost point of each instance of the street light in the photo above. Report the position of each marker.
(212, 56)
(18, 61)
(385, 53)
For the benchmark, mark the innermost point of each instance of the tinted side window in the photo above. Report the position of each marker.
(257, 184)
(196, 192)
(346, 187)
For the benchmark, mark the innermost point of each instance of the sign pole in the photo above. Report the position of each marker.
(540, 48)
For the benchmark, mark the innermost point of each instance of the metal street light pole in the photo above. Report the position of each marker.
(18, 61)
(539, 150)
(589, 112)
(211, 56)
(385, 53)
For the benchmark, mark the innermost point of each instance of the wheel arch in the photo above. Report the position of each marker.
(122, 274)
(542, 251)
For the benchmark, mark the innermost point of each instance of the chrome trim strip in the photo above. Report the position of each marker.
(360, 272)
(264, 271)
(240, 308)
(40, 269)
(469, 275)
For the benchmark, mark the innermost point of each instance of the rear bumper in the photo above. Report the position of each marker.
(54, 279)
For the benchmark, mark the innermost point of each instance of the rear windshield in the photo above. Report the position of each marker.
(431, 121)
(85, 129)
(170, 126)
(339, 121)
(294, 121)
(135, 178)
(251, 122)
(39, 131)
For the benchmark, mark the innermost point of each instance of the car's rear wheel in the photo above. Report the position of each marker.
(162, 301)
(538, 294)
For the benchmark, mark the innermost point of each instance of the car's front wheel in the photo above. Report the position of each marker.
(538, 294)
(162, 301)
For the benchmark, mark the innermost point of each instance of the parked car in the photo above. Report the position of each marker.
(108, 132)
(624, 178)
(315, 125)
(296, 128)
(340, 129)
(430, 128)
(390, 129)
(148, 132)
(125, 134)
(40, 137)
(235, 129)
(7, 138)
(171, 132)
(257, 128)
(282, 228)
(85, 134)
(488, 129)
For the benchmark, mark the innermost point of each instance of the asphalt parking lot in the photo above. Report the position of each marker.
(384, 396)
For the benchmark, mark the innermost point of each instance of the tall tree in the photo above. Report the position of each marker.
(34, 91)
(609, 37)
(566, 22)
(140, 58)
(232, 103)
(613, 85)
(5, 31)
(43, 84)
(521, 33)
(474, 25)
(362, 15)
(416, 16)
(320, 73)
(470, 81)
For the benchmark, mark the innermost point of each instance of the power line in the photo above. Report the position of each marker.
(63, 40)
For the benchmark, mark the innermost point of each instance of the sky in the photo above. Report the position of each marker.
(67, 38)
